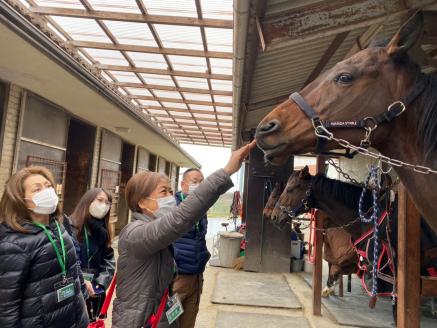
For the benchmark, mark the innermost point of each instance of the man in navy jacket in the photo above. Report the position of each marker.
(191, 256)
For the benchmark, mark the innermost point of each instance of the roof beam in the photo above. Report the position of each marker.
(326, 18)
(181, 101)
(181, 110)
(364, 40)
(170, 88)
(131, 17)
(329, 52)
(164, 72)
(153, 50)
(179, 117)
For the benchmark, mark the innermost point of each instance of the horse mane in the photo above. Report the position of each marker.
(427, 118)
(343, 192)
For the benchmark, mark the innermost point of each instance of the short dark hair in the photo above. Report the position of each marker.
(191, 170)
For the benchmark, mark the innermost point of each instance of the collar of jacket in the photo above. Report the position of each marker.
(141, 217)
(31, 228)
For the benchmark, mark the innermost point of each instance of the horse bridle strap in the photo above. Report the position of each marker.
(368, 123)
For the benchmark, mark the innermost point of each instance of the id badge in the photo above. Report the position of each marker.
(88, 276)
(65, 289)
(175, 309)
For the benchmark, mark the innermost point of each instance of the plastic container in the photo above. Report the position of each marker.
(296, 249)
(296, 265)
(229, 247)
(308, 266)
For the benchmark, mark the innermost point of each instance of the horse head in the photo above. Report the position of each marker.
(360, 87)
(273, 199)
(293, 196)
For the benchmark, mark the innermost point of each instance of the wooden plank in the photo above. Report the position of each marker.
(408, 280)
(171, 88)
(164, 72)
(177, 117)
(153, 50)
(329, 52)
(340, 286)
(318, 263)
(131, 17)
(429, 286)
(326, 18)
(260, 33)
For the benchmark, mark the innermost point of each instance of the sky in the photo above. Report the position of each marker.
(211, 158)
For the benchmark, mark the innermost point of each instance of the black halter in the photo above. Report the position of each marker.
(304, 206)
(369, 123)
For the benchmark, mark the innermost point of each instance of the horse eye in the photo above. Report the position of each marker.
(344, 78)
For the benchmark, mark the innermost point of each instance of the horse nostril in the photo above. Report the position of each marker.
(269, 127)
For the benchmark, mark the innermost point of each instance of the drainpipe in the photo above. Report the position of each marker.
(241, 23)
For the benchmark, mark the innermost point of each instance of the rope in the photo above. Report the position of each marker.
(372, 179)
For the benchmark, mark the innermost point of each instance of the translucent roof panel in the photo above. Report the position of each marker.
(158, 63)
(119, 6)
(107, 57)
(182, 8)
(179, 36)
(221, 66)
(218, 9)
(219, 39)
(197, 96)
(125, 76)
(192, 82)
(158, 79)
(188, 63)
(139, 92)
(147, 60)
(132, 33)
(73, 4)
(82, 29)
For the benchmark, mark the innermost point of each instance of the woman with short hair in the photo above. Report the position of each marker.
(146, 267)
(90, 221)
(39, 276)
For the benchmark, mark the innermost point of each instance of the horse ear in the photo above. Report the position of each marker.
(304, 173)
(407, 36)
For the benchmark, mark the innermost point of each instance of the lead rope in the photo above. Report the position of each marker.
(372, 176)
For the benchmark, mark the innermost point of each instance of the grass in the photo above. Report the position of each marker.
(222, 207)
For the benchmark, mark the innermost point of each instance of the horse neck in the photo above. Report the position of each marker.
(402, 145)
(339, 213)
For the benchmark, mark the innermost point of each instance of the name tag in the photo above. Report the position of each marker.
(65, 290)
(175, 309)
(88, 276)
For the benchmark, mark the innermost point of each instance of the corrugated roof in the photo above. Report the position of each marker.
(172, 58)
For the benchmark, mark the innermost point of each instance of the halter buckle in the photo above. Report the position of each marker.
(394, 106)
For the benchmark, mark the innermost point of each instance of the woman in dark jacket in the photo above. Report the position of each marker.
(90, 221)
(39, 275)
(146, 267)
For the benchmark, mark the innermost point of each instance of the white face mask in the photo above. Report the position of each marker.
(192, 187)
(98, 209)
(166, 202)
(45, 201)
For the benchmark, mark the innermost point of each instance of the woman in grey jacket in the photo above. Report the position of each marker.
(145, 264)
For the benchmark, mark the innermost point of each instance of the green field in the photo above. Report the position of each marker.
(222, 207)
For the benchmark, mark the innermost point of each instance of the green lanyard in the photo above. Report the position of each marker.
(197, 223)
(62, 260)
(87, 244)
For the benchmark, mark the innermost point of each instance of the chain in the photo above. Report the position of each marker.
(344, 174)
(322, 132)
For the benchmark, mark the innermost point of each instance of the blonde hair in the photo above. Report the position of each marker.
(13, 208)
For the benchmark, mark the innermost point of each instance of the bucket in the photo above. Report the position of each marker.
(308, 266)
(229, 247)
(296, 265)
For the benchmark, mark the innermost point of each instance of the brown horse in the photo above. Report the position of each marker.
(273, 199)
(360, 90)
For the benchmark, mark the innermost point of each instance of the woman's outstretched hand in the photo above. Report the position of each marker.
(237, 158)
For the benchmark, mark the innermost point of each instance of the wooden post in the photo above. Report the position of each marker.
(408, 283)
(318, 263)
(340, 286)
